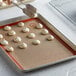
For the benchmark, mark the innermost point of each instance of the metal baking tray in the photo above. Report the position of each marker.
(11, 5)
(45, 60)
(66, 8)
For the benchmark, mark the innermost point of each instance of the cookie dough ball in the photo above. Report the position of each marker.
(7, 28)
(23, 46)
(15, 1)
(31, 35)
(25, 30)
(50, 38)
(39, 26)
(1, 0)
(44, 32)
(21, 24)
(11, 33)
(17, 39)
(3, 4)
(1, 36)
(4, 42)
(36, 42)
(9, 48)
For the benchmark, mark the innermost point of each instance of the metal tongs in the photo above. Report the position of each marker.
(29, 10)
